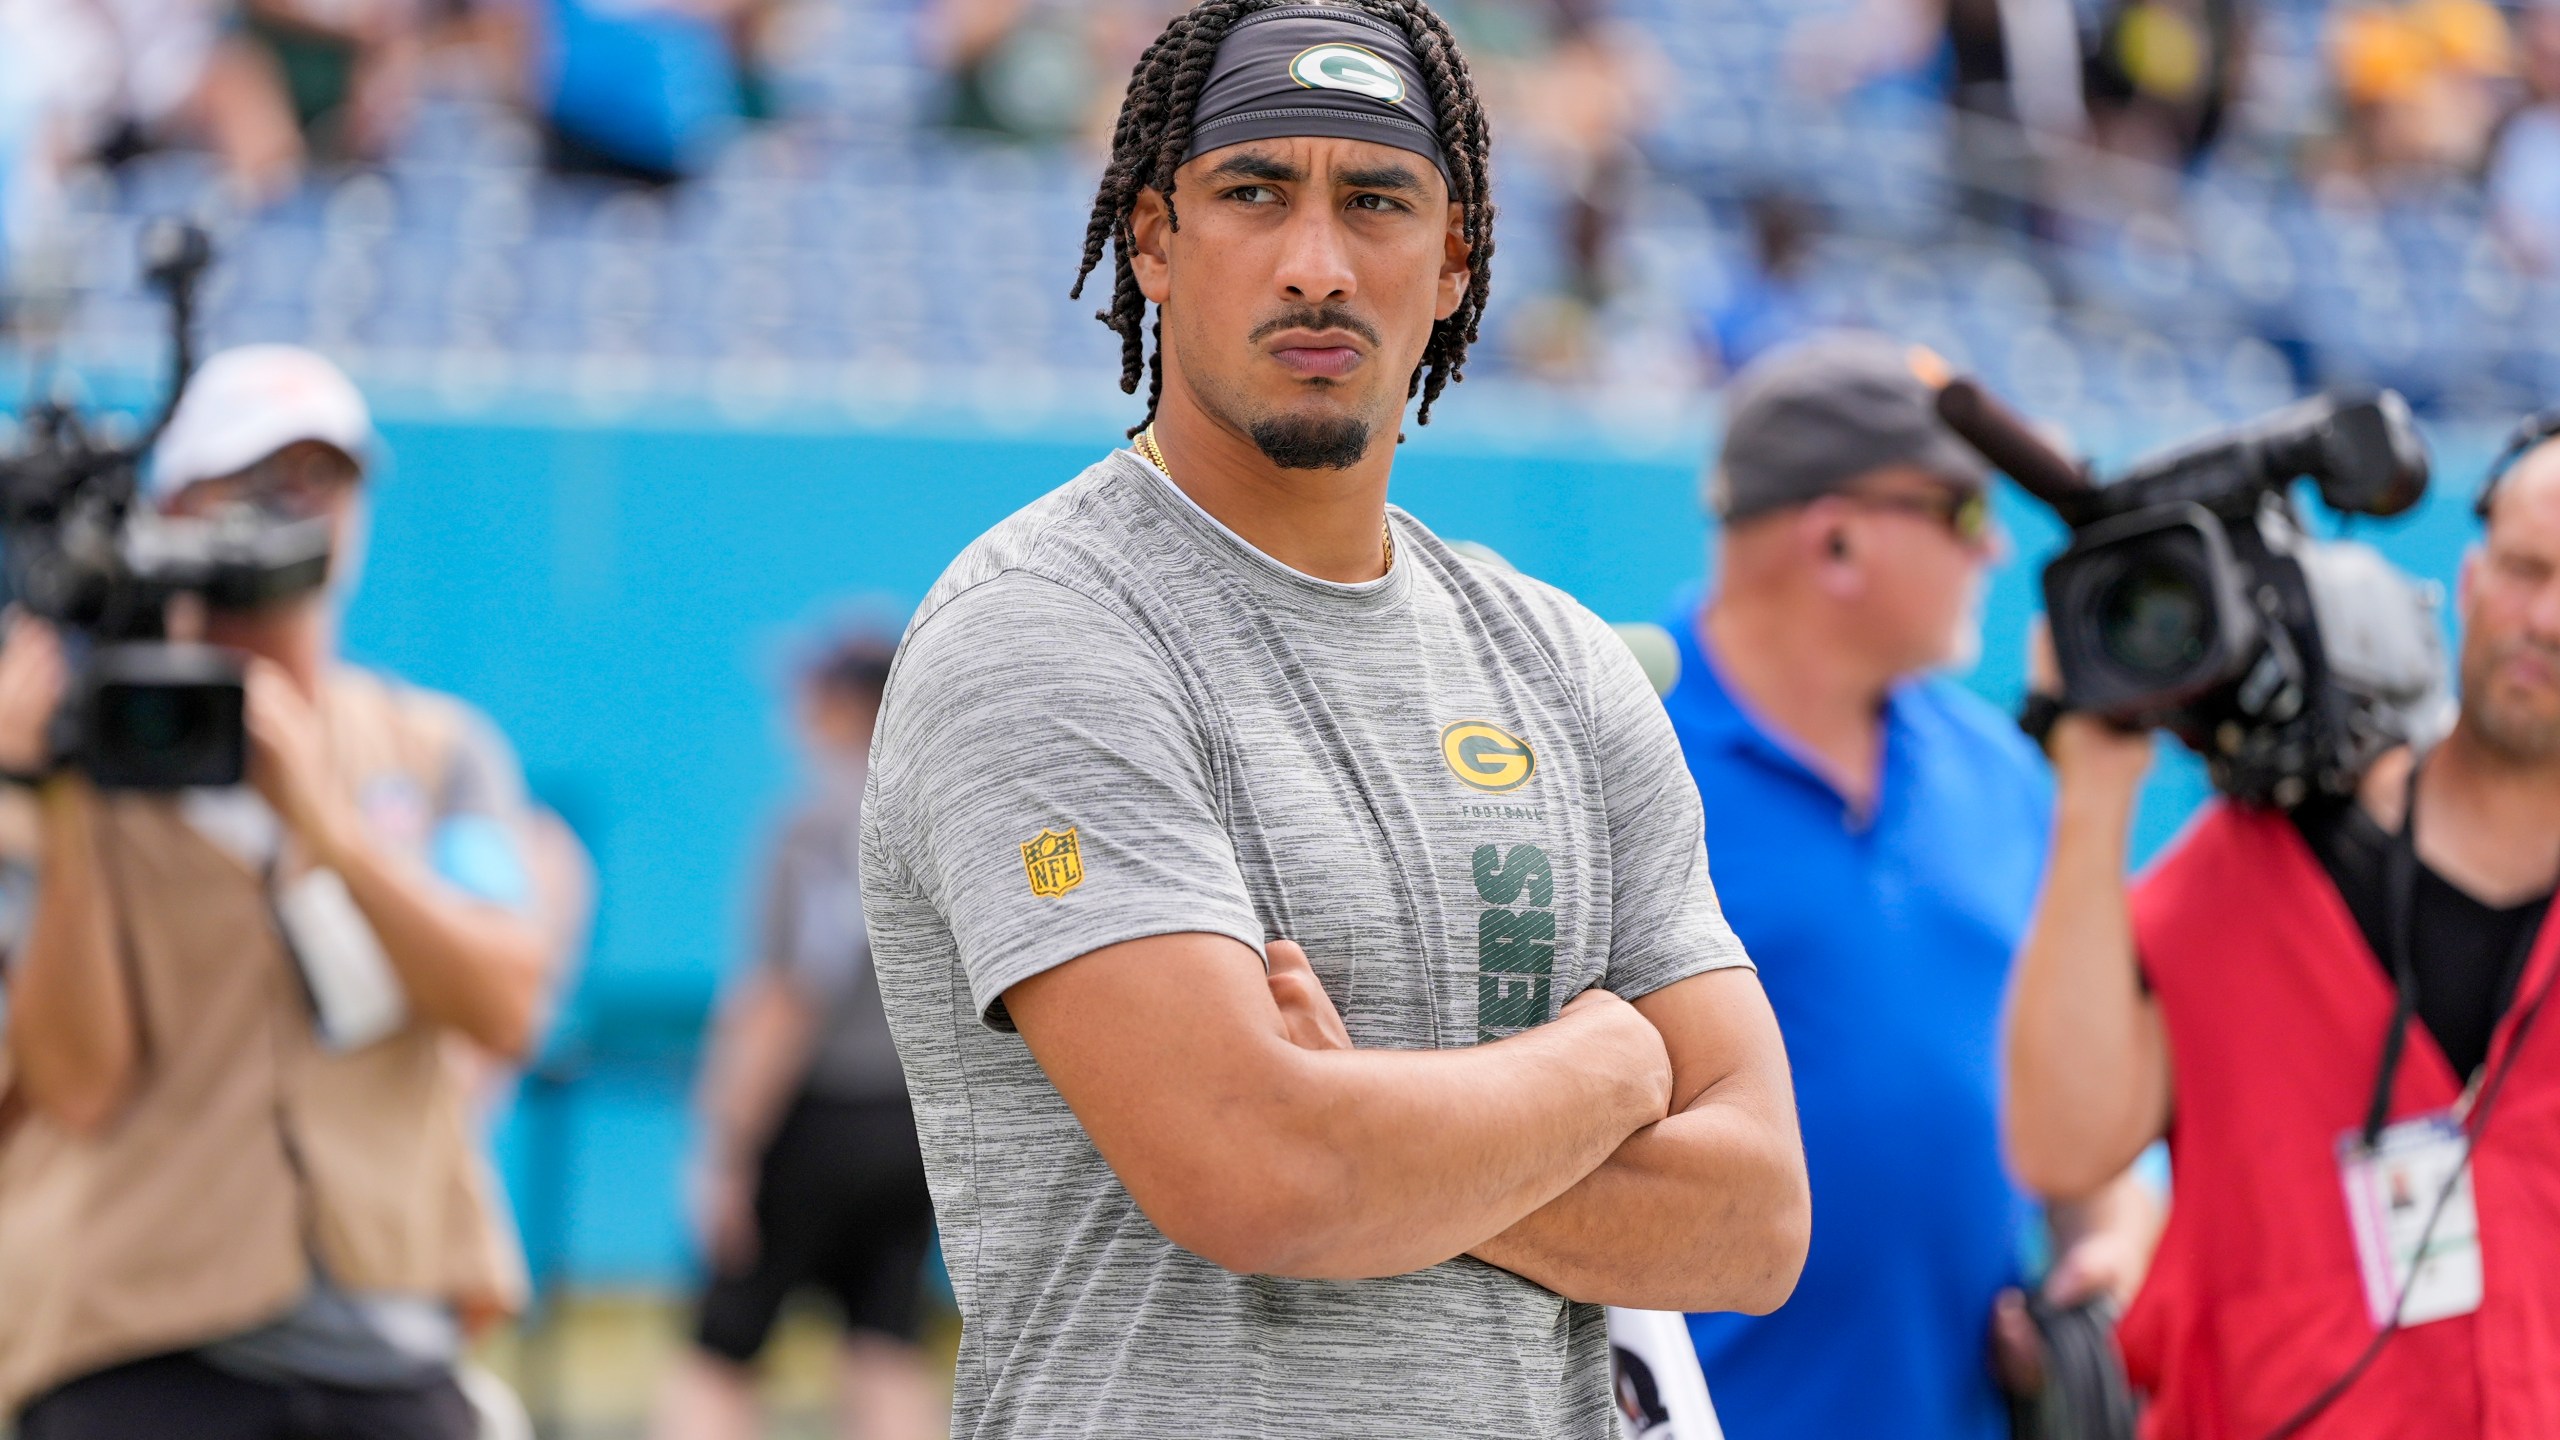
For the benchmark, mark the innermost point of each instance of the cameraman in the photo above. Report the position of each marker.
(229, 1210)
(2238, 1000)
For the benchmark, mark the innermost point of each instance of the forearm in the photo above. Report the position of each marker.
(2124, 1207)
(2086, 1085)
(72, 1027)
(759, 1050)
(462, 963)
(1405, 1159)
(1706, 1210)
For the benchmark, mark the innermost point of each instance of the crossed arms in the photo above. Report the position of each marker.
(1643, 1155)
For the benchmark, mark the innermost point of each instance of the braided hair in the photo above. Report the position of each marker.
(1154, 132)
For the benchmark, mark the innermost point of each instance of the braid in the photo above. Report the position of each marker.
(1154, 131)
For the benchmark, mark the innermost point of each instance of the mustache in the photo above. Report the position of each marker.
(1314, 317)
(2543, 650)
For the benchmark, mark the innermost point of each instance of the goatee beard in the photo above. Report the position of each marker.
(1302, 443)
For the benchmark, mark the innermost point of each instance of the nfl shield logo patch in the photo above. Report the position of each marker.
(1053, 862)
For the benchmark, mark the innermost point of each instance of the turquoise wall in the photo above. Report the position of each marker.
(623, 600)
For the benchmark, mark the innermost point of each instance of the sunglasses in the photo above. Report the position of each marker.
(1965, 513)
(2529, 433)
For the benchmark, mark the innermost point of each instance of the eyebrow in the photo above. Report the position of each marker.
(1262, 165)
(1258, 165)
(1380, 177)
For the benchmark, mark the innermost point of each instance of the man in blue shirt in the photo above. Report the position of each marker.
(1879, 834)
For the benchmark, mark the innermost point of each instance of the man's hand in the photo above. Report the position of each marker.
(2092, 754)
(1313, 1023)
(1305, 1010)
(2106, 1244)
(2099, 759)
(289, 763)
(724, 1212)
(1222, 1089)
(32, 679)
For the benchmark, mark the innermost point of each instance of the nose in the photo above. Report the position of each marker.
(2542, 616)
(1315, 263)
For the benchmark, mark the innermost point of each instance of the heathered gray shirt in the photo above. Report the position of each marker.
(1113, 718)
(811, 931)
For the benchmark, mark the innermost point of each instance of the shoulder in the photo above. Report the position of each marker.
(1984, 737)
(1520, 610)
(419, 712)
(1075, 538)
(447, 735)
(2221, 843)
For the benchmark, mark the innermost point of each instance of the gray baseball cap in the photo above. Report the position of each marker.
(1804, 421)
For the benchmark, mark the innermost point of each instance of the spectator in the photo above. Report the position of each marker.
(810, 1176)
(2418, 90)
(86, 80)
(345, 70)
(650, 89)
(2524, 168)
(2163, 77)
(1770, 306)
(2011, 80)
(1881, 833)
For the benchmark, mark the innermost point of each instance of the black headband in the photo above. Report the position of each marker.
(1316, 70)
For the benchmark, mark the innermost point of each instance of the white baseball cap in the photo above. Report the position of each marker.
(246, 404)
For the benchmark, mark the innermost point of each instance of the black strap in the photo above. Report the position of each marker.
(2400, 921)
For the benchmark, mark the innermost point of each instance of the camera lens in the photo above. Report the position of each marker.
(2152, 620)
(153, 722)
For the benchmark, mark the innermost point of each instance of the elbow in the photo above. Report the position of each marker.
(83, 1109)
(1257, 1225)
(1785, 1237)
(1263, 1206)
(2061, 1160)
(2062, 1173)
(512, 1035)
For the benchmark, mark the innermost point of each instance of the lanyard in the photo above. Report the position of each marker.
(2400, 904)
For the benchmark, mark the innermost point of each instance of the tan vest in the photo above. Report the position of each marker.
(246, 1146)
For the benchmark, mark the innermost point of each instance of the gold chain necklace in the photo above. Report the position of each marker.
(1146, 446)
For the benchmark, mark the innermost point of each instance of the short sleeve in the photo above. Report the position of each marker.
(1042, 778)
(1665, 921)
(479, 842)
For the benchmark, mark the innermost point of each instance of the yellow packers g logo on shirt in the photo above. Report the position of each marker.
(1355, 68)
(1053, 862)
(1487, 756)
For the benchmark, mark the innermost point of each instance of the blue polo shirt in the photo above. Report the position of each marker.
(1884, 946)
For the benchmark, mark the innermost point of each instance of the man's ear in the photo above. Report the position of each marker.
(1823, 540)
(1457, 265)
(1150, 259)
(2466, 584)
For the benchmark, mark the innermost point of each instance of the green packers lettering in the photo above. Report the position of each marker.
(1515, 939)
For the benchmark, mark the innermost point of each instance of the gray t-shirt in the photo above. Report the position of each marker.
(1113, 718)
(811, 931)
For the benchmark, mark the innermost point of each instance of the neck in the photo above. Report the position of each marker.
(1324, 523)
(299, 639)
(1798, 673)
(2488, 821)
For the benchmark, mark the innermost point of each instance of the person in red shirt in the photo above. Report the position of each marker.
(2252, 1000)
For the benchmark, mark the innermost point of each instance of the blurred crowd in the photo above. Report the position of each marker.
(1638, 134)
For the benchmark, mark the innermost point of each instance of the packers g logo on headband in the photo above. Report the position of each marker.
(1487, 756)
(1347, 67)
